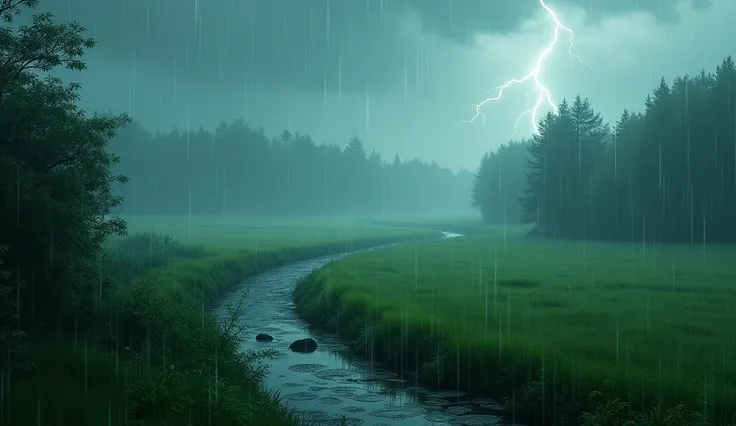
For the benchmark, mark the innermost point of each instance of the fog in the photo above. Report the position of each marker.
(400, 75)
(403, 77)
(466, 212)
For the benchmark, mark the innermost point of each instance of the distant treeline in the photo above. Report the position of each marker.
(667, 174)
(499, 184)
(237, 169)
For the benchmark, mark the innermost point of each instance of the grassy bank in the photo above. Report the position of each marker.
(546, 323)
(150, 354)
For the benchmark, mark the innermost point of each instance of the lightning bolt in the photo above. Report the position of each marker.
(544, 93)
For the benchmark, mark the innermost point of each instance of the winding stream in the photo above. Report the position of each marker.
(330, 386)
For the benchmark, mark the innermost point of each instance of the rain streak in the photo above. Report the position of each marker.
(336, 213)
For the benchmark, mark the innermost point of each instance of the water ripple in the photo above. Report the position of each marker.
(331, 376)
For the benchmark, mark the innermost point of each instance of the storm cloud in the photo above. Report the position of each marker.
(399, 74)
(305, 44)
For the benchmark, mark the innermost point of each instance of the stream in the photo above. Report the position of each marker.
(331, 386)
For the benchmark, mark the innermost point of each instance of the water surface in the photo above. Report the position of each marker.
(331, 386)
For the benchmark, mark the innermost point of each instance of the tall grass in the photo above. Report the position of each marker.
(152, 355)
(546, 323)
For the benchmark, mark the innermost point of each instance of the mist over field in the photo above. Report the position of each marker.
(300, 212)
(236, 170)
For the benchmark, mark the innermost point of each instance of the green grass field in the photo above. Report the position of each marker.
(226, 234)
(657, 322)
(151, 359)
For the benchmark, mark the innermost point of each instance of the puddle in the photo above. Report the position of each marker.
(331, 387)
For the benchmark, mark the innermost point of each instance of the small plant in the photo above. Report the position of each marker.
(677, 416)
(230, 330)
(609, 413)
(614, 412)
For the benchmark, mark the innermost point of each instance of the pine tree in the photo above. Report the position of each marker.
(535, 200)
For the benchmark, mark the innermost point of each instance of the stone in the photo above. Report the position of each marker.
(306, 346)
(264, 338)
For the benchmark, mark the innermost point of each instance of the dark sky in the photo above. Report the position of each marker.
(399, 73)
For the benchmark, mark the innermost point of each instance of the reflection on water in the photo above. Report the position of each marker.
(330, 386)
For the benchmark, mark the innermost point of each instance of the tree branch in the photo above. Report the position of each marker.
(7, 5)
(9, 8)
(65, 160)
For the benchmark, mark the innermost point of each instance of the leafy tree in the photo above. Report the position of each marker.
(55, 172)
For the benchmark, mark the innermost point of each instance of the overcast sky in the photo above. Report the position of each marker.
(400, 74)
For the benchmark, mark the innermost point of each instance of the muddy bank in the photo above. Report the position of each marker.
(330, 386)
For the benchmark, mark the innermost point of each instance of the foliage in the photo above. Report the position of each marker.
(236, 169)
(205, 377)
(9, 9)
(160, 322)
(116, 336)
(55, 172)
(615, 412)
(96, 343)
(562, 158)
(156, 361)
(670, 171)
(156, 357)
(499, 183)
(666, 174)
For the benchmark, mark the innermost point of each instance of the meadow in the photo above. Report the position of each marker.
(560, 328)
(223, 234)
(147, 353)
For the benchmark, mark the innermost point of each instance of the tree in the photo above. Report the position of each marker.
(562, 159)
(481, 183)
(355, 149)
(590, 133)
(613, 185)
(535, 199)
(499, 183)
(55, 172)
(667, 174)
(236, 169)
